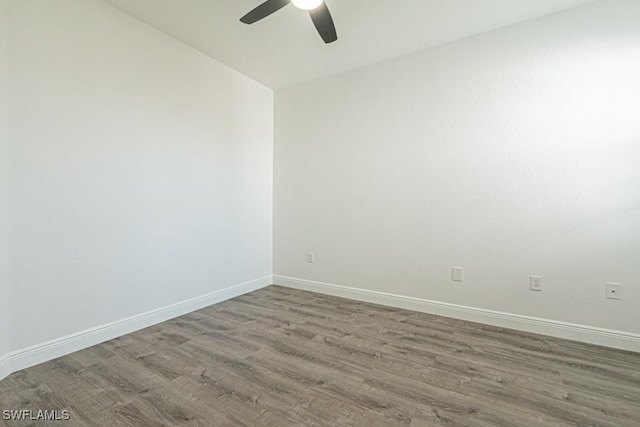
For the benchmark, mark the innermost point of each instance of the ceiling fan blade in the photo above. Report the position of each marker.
(323, 21)
(264, 10)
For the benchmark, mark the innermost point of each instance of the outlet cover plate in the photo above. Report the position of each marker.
(457, 274)
(613, 290)
(535, 283)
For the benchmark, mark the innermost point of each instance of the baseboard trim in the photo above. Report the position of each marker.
(49, 350)
(5, 366)
(571, 331)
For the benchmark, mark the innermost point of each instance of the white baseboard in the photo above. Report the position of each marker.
(5, 366)
(49, 350)
(571, 331)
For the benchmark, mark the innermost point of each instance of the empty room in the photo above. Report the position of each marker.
(320, 213)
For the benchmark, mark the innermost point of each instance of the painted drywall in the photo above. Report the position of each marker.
(141, 170)
(4, 188)
(513, 153)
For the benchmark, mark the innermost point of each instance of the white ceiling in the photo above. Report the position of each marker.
(284, 49)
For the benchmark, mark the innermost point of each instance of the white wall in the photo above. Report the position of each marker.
(4, 188)
(512, 153)
(141, 170)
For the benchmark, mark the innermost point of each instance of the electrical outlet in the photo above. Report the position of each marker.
(535, 283)
(613, 290)
(457, 274)
(310, 257)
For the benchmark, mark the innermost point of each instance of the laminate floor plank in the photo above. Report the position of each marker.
(285, 357)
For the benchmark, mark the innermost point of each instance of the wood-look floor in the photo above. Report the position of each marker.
(282, 357)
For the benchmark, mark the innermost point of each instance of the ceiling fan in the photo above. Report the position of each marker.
(318, 11)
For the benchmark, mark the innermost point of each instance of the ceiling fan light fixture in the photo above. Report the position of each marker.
(307, 4)
(317, 9)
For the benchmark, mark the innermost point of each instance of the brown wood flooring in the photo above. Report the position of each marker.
(283, 357)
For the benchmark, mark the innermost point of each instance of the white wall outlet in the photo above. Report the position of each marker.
(310, 257)
(457, 274)
(535, 283)
(613, 290)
